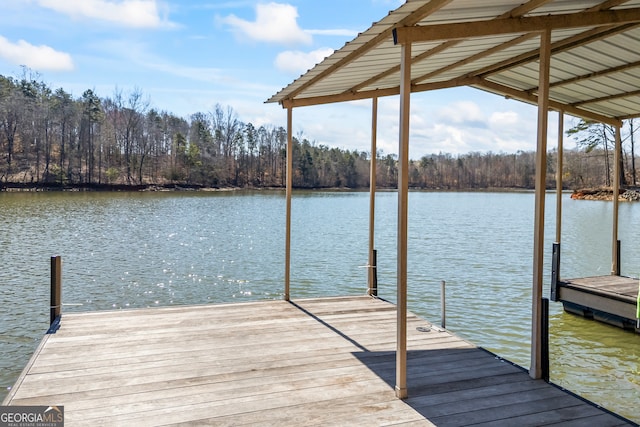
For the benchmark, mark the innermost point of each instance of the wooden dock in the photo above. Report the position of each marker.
(328, 361)
(610, 299)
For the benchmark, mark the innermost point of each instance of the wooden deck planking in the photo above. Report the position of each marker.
(625, 288)
(328, 361)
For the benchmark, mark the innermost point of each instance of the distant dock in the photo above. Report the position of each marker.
(610, 299)
(325, 361)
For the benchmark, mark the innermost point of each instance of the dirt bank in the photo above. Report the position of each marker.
(625, 195)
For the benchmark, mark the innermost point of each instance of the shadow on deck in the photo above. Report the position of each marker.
(326, 361)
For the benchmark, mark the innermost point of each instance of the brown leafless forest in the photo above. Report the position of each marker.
(49, 138)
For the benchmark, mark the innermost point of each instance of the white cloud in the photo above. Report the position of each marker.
(40, 58)
(139, 56)
(297, 62)
(440, 138)
(503, 118)
(461, 112)
(335, 32)
(130, 13)
(459, 127)
(275, 23)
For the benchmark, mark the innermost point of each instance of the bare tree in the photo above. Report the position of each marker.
(591, 135)
(11, 104)
(632, 130)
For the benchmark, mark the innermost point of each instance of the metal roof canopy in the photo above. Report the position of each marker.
(580, 57)
(594, 69)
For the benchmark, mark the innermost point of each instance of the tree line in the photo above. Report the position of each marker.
(48, 137)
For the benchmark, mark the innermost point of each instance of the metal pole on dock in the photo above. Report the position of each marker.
(56, 289)
(555, 271)
(443, 305)
(544, 326)
(638, 308)
(617, 257)
(373, 271)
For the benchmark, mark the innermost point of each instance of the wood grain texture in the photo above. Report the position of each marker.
(328, 361)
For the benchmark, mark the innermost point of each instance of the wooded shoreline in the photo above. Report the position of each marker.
(17, 187)
(601, 193)
(50, 140)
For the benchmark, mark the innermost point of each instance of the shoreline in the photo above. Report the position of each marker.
(40, 187)
(606, 194)
(597, 194)
(17, 187)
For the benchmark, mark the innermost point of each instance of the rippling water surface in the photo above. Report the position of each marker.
(127, 250)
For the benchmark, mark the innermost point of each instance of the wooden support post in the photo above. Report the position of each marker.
(56, 289)
(615, 250)
(287, 256)
(544, 326)
(535, 369)
(403, 209)
(372, 277)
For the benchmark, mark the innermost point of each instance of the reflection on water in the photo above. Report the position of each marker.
(128, 250)
(602, 359)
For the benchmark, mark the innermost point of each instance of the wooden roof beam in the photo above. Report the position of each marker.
(465, 30)
(475, 57)
(341, 97)
(514, 13)
(606, 5)
(433, 6)
(396, 69)
(375, 93)
(525, 8)
(607, 98)
(630, 116)
(595, 74)
(476, 82)
(566, 44)
(532, 99)
(517, 12)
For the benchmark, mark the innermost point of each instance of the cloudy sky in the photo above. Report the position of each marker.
(186, 56)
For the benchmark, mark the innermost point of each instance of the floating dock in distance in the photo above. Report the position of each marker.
(610, 299)
(326, 361)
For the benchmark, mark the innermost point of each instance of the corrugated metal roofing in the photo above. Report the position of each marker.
(595, 71)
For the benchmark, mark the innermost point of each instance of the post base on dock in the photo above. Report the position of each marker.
(401, 393)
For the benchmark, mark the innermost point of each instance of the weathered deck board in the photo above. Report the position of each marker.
(328, 361)
(610, 299)
(624, 287)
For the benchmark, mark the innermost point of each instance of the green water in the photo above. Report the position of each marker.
(126, 250)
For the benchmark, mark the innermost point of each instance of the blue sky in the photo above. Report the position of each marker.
(187, 56)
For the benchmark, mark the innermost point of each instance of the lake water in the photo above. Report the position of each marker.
(127, 250)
